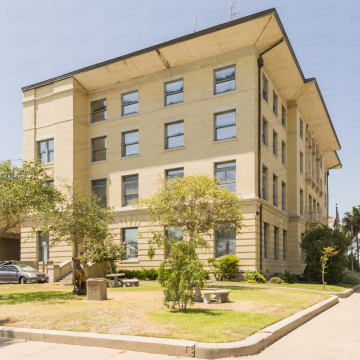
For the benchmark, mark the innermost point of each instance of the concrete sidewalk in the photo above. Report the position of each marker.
(334, 334)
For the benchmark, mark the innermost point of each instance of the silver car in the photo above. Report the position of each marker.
(21, 274)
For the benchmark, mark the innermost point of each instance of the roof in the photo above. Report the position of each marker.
(259, 30)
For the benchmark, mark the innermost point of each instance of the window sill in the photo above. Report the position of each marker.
(48, 163)
(225, 92)
(97, 122)
(173, 149)
(129, 261)
(302, 174)
(265, 146)
(221, 141)
(128, 115)
(98, 162)
(283, 165)
(268, 260)
(128, 157)
(165, 106)
(275, 156)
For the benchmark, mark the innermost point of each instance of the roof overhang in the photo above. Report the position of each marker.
(261, 30)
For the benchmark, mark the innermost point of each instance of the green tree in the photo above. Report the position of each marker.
(351, 222)
(224, 268)
(76, 220)
(23, 193)
(313, 242)
(197, 205)
(326, 254)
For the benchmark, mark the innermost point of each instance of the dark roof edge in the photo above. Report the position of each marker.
(157, 46)
(324, 105)
(338, 158)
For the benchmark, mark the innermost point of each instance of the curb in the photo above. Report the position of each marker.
(343, 294)
(249, 346)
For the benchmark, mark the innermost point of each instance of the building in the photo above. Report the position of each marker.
(229, 101)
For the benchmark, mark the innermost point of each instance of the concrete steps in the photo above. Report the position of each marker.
(67, 278)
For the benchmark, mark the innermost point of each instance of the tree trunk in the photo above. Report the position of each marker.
(323, 279)
(357, 245)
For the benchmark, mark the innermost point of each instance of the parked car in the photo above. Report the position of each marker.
(19, 273)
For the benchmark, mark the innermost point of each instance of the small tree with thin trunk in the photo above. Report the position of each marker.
(197, 205)
(327, 253)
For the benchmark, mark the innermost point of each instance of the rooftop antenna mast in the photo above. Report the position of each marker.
(233, 13)
(195, 17)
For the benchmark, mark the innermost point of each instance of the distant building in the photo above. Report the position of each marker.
(222, 101)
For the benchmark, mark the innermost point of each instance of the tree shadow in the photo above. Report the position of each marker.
(38, 296)
(209, 312)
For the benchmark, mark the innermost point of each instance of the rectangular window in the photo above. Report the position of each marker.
(226, 173)
(284, 244)
(265, 88)
(174, 92)
(130, 141)
(99, 189)
(283, 116)
(274, 190)
(225, 125)
(275, 103)
(301, 162)
(174, 233)
(98, 110)
(275, 143)
(130, 189)
(276, 239)
(320, 183)
(321, 161)
(43, 247)
(283, 152)
(310, 203)
(301, 129)
(301, 202)
(130, 238)
(264, 132)
(264, 174)
(225, 243)
(174, 135)
(46, 151)
(224, 80)
(174, 173)
(130, 103)
(99, 149)
(265, 239)
(283, 193)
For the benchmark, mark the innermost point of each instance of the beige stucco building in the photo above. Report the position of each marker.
(223, 101)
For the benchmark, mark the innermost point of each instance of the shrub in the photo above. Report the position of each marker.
(351, 279)
(277, 274)
(276, 280)
(143, 274)
(224, 268)
(291, 278)
(313, 242)
(254, 277)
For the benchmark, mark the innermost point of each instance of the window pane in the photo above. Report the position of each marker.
(229, 235)
(230, 176)
(100, 155)
(131, 138)
(175, 129)
(131, 150)
(43, 158)
(221, 176)
(174, 98)
(131, 109)
(130, 98)
(42, 146)
(99, 182)
(177, 141)
(225, 119)
(130, 178)
(131, 188)
(99, 143)
(225, 86)
(51, 156)
(175, 233)
(100, 191)
(174, 173)
(174, 87)
(224, 74)
(225, 247)
(50, 144)
(226, 133)
(225, 165)
(130, 199)
(99, 105)
(231, 187)
(99, 116)
(131, 238)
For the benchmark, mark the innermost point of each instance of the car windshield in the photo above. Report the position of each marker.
(26, 268)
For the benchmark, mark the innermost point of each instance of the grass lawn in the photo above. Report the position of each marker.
(139, 311)
(317, 287)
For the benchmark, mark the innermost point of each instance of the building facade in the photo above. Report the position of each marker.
(229, 101)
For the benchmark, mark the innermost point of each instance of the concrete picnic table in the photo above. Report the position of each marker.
(198, 295)
(116, 276)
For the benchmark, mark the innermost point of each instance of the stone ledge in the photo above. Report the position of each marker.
(249, 346)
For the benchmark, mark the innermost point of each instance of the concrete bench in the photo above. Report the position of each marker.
(116, 276)
(130, 283)
(222, 295)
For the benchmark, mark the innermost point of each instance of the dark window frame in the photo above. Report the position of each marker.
(102, 199)
(167, 137)
(175, 92)
(264, 132)
(301, 162)
(47, 151)
(275, 141)
(124, 197)
(123, 147)
(283, 195)
(93, 151)
(135, 102)
(99, 111)
(170, 177)
(123, 230)
(222, 127)
(275, 190)
(283, 150)
(301, 128)
(231, 168)
(265, 88)
(275, 103)
(283, 116)
(264, 183)
(219, 82)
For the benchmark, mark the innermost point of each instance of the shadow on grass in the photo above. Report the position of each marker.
(6, 321)
(34, 296)
(198, 311)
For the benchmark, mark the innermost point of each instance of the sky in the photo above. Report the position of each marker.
(43, 39)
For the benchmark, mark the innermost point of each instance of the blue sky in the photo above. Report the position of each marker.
(43, 39)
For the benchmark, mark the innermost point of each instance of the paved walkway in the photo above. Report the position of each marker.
(332, 335)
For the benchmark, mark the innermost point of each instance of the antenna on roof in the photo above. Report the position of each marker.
(233, 13)
(195, 16)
